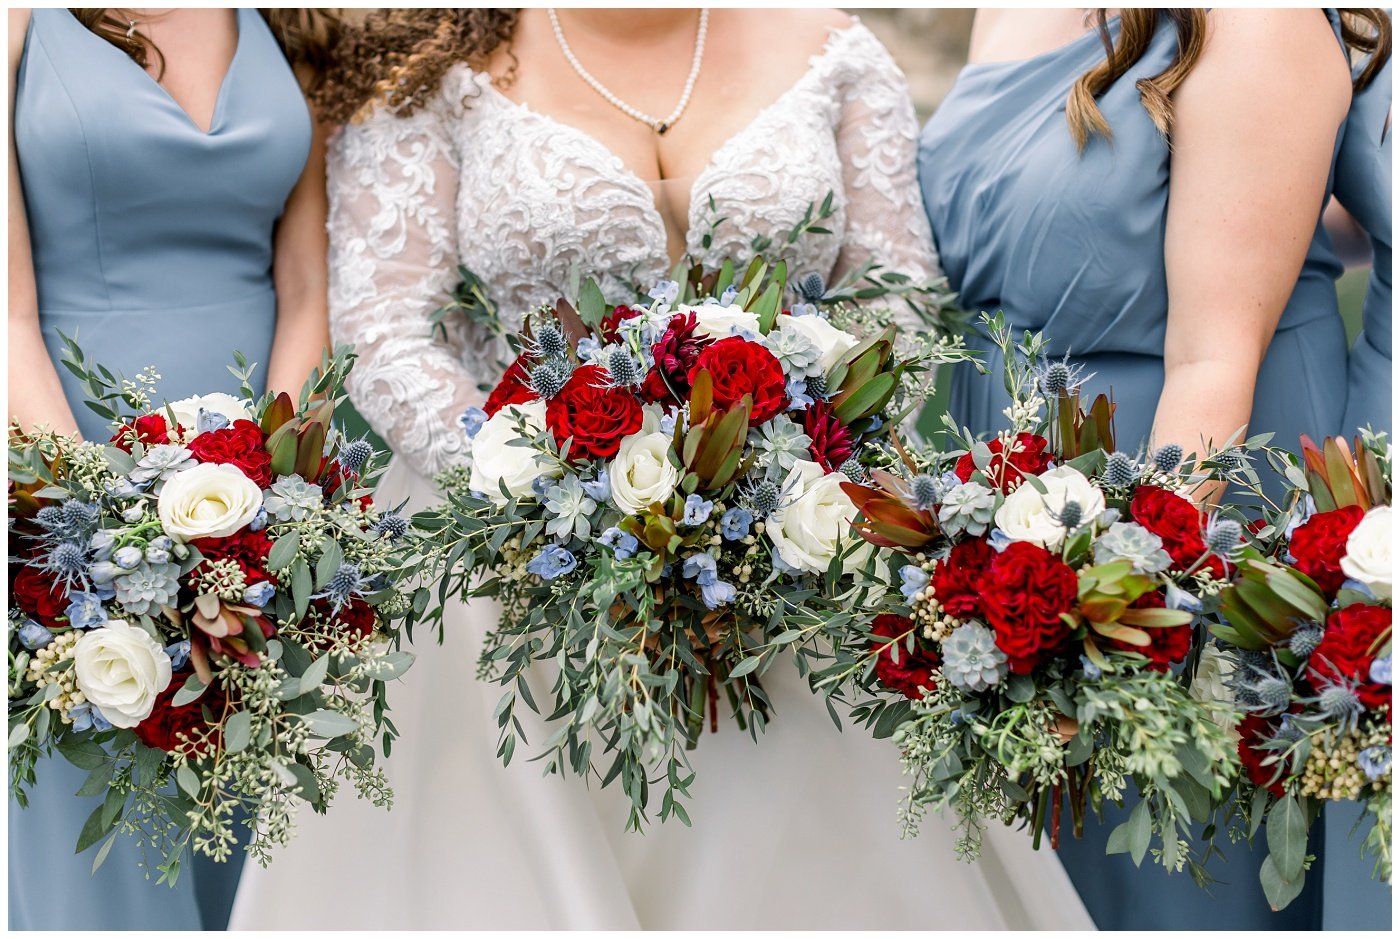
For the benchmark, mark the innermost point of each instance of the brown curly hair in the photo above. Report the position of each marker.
(398, 57)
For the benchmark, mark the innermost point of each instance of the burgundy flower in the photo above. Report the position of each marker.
(914, 668)
(832, 443)
(675, 353)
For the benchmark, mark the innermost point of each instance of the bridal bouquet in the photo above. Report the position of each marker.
(1307, 656)
(1048, 584)
(656, 492)
(203, 612)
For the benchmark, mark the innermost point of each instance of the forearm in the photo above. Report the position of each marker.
(36, 397)
(1205, 406)
(302, 334)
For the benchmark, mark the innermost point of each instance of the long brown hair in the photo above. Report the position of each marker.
(307, 38)
(1365, 31)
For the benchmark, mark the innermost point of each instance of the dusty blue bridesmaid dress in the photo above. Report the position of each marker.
(1363, 189)
(1073, 244)
(152, 245)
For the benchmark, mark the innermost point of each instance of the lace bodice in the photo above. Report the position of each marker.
(521, 200)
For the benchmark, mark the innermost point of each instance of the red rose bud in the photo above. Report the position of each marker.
(739, 367)
(595, 416)
(1025, 591)
(832, 443)
(1028, 455)
(240, 445)
(514, 387)
(914, 670)
(1254, 731)
(957, 579)
(1319, 544)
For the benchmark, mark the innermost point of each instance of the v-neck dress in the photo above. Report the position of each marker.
(1073, 244)
(152, 244)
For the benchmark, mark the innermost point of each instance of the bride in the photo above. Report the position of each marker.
(523, 145)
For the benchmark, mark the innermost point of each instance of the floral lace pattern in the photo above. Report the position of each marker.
(522, 201)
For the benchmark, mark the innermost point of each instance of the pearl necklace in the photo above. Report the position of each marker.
(659, 125)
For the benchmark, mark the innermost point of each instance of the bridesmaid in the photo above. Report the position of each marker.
(1046, 175)
(167, 206)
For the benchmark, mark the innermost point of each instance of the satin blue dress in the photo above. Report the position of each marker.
(152, 245)
(1363, 189)
(1072, 244)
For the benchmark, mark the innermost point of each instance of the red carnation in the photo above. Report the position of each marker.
(914, 669)
(1025, 591)
(514, 387)
(1177, 522)
(832, 443)
(1028, 456)
(170, 728)
(1319, 544)
(675, 355)
(739, 367)
(42, 598)
(1169, 644)
(596, 416)
(1353, 638)
(607, 329)
(1254, 731)
(248, 549)
(241, 445)
(149, 429)
(957, 579)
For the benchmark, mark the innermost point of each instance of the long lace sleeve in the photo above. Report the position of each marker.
(877, 138)
(393, 261)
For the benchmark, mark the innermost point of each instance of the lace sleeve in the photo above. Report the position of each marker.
(877, 138)
(393, 261)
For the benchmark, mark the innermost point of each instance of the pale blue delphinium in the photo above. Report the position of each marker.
(780, 444)
(1129, 541)
(101, 544)
(207, 420)
(1380, 670)
(999, 540)
(599, 489)
(471, 421)
(967, 507)
(665, 291)
(87, 717)
(33, 636)
(121, 488)
(799, 399)
(735, 524)
(161, 462)
(158, 549)
(1178, 599)
(259, 521)
(714, 593)
(553, 561)
(913, 579)
(697, 510)
(292, 499)
(259, 594)
(571, 507)
(179, 653)
(622, 544)
(1091, 671)
(85, 610)
(128, 557)
(727, 297)
(588, 349)
(1374, 762)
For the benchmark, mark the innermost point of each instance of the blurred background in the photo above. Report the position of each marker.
(931, 47)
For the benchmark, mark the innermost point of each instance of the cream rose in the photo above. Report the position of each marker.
(642, 472)
(211, 500)
(831, 343)
(121, 670)
(1211, 686)
(717, 321)
(1029, 515)
(814, 521)
(495, 461)
(1367, 557)
(186, 410)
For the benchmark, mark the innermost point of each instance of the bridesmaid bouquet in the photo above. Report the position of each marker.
(656, 491)
(1048, 585)
(1307, 657)
(204, 612)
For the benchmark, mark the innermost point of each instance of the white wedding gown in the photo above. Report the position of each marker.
(796, 832)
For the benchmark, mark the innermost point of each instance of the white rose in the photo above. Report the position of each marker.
(1029, 515)
(642, 472)
(495, 461)
(211, 500)
(814, 521)
(186, 410)
(1211, 687)
(717, 321)
(831, 342)
(1367, 558)
(121, 670)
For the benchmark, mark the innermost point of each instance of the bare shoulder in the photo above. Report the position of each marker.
(1292, 48)
(19, 25)
(800, 28)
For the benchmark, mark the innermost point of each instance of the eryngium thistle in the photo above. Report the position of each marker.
(1071, 515)
(550, 376)
(855, 471)
(971, 659)
(1223, 537)
(1305, 640)
(816, 387)
(354, 455)
(812, 287)
(550, 340)
(1168, 457)
(1055, 379)
(344, 583)
(763, 498)
(391, 524)
(1273, 694)
(67, 561)
(1120, 471)
(1339, 703)
(624, 370)
(923, 492)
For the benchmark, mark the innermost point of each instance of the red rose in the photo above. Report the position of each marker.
(1254, 730)
(1353, 638)
(675, 355)
(1028, 456)
(248, 549)
(1319, 544)
(832, 443)
(1169, 645)
(914, 669)
(150, 429)
(170, 727)
(1178, 523)
(957, 579)
(739, 367)
(514, 387)
(1025, 590)
(607, 329)
(40, 597)
(595, 416)
(241, 444)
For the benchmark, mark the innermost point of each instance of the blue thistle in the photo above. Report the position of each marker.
(812, 287)
(1305, 640)
(855, 471)
(1273, 694)
(1120, 471)
(67, 561)
(550, 376)
(392, 524)
(1223, 537)
(623, 369)
(345, 583)
(1340, 703)
(763, 498)
(924, 492)
(550, 341)
(815, 387)
(354, 455)
(1168, 457)
(1071, 515)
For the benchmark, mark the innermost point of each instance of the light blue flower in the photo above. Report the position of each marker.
(1091, 671)
(1357, 586)
(128, 557)
(666, 291)
(471, 421)
(87, 717)
(158, 549)
(622, 544)
(697, 510)
(571, 507)
(588, 349)
(700, 568)
(913, 579)
(1178, 599)
(717, 594)
(120, 488)
(668, 421)
(600, 489)
(85, 610)
(783, 567)
(179, 653)
(34, 636)
(259, 521)
(1374, 762)
(806, 309)
(734, 525)
(552, 561)
(133, 514)
(101, 544)
(999, 540)
(1380, 670)
(259, 594)
(798, 398)
(103, 572)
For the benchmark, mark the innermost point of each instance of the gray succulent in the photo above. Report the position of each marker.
(148, 587)
(1129, 541)
(292, 498)
(780, 443)
(161, 462)
(968, 507)
(971, 660)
